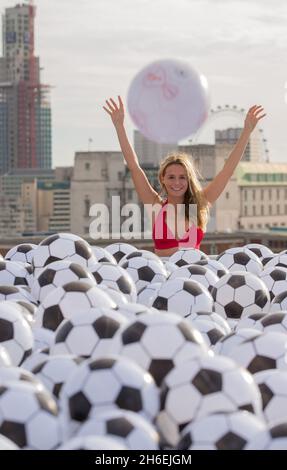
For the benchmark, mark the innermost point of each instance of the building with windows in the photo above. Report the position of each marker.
(25, 111)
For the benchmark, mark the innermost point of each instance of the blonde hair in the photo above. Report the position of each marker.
(194, 194)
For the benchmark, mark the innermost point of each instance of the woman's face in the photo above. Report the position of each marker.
(175, 180)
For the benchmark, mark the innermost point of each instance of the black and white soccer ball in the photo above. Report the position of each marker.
(15, 333)
(240, 259)
(108, 382)
(26, 309)
(127, 427)
(19, 374)
(261, 251)
(54, 371)
(89, 334)
(13, 274)
(211, 331)
(201, 387)
(14, 293)
(251, 321)
(218, 268)
(57, 274)
(144, 272)
(187, 256)
(275, 280)
(279, 303)
(7, 444)
(183, 296)
(211, 316)
(66, 300)
(114, 276)
(160, 341)
(272, 322)
(201, 274)
(225, 345)
(5, 360)
(22, 252)
(92, 443)
(29, 417)
(273, 387)
(147, 294)
(262, 352)
(277, 261)
(273, 438)
(221, 431)
(239, 294)
(119, 250)
(62, 246)
(141, 254)
(102, 255)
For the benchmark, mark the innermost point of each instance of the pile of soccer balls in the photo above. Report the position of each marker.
(115, 348)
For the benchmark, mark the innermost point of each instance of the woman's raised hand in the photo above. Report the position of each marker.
(116, 111)
(253, 117)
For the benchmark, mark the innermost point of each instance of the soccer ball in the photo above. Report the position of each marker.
(89, 333)
(213, 316)
(183, 296)
(141, 253)
(55, 370)
(102, 255)
(187, 256)
(147, 294)
(279, 302)
(118, 297)
(277, 261)
(127, 427)
(204, 386)
(62, 246)
(273, 387)
(275, 280)
(108, 382)
(13, 293)
(132, 310)
(273, 322)
(159, 341)
(66, 300)
(116, 277)
(273, 438)
(92, 443)
(57, 274)
(26, 309)
(201, 274)
(239, 294)
(7, 444)
(209, 329)
(29, 417)
(5, 360)
(250, 321)
(15, 333)
(221, 431)
(229, 342)
(119, 250)
(144, 271)
(266, 351)
(261, 251)
(12, 274)
(240, 259)
(218, 268)
(22, 252)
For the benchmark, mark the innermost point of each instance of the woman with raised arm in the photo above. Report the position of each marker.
(180, 183)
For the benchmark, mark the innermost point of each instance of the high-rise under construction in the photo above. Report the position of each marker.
(25, 112)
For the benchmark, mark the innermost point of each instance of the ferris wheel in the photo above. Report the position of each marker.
(237, 114)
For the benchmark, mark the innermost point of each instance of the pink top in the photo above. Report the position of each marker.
(164, 238)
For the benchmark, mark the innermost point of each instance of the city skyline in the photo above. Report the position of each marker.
(242, 54)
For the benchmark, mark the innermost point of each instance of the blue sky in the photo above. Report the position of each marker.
(91, 49)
